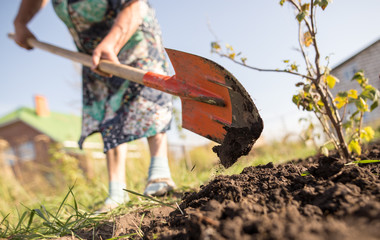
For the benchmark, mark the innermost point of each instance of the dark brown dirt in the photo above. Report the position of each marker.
(238, 142)
(335, 201)
(314, 198)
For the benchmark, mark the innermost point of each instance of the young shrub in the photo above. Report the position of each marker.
(315, 93)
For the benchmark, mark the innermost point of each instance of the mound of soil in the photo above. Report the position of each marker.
(314, 198)
(330, 200)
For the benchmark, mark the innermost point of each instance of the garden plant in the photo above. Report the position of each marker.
(343, 129)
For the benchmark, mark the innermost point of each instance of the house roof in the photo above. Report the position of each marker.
(354, 55)
(58, 126)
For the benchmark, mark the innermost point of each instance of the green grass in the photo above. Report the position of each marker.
(66, 203)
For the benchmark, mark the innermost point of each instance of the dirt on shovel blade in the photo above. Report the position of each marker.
(238, 142)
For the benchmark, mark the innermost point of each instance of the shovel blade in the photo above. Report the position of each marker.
(214, 121)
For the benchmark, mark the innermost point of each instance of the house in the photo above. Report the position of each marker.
(368, 60)
(29, 133)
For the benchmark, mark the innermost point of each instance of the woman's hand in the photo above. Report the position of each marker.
(105, 51)
(22, 33)
(125, 25)
(27, 10)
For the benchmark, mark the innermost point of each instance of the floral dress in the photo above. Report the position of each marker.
(119, 109)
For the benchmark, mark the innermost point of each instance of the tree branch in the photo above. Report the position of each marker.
(265, 70)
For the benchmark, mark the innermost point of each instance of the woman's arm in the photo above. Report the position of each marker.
(26, 12)
(125, 25)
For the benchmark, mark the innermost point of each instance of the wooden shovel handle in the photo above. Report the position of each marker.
(119, 70)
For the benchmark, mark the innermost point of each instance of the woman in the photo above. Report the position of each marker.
(124, 31)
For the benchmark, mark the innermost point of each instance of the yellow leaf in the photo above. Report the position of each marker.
(229, 47)
(367, 134)
(340, 102)
(325, 151)
(307, 39)
(354, 146)
(215, 46)
(331, 81)
(353, 94)
(231, 55)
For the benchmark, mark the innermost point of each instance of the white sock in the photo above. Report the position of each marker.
(116, 193)
(159, 168)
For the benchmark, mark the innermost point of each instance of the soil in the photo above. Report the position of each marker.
(314, 198)
(238, 142)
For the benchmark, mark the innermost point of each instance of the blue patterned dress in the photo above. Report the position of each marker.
(119, 109)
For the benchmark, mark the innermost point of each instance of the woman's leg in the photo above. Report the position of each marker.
(116, 158)
(158, 145)
(159, 177)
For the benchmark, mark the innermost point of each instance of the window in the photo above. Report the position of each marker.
(9, 156)
(27, 151)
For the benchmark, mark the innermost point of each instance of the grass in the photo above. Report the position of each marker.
(50, 210)
(43, 223)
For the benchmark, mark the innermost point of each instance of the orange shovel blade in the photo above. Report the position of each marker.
(205, 119)
(214, 104)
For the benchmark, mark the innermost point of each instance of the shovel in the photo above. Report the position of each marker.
(214, 104)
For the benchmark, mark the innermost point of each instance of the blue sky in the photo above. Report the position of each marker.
(264, 31)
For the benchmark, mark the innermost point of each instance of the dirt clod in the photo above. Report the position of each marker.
(238, 142)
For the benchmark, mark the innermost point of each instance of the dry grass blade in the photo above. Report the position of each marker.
(150, 198)
(128, 236)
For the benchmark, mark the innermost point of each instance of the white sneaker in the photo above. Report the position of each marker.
(159, 186)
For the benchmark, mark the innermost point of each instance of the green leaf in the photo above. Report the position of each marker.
(301, 16)
(369, 92)
(364, 161)
(354, 114)
(296, 99)
(374, 105)
(322, 3)
(243, 59)
(309, 107)
(306, 173)
(331, 81)
(215, 46)
(307, 88)
(305, 7)
(282, 2)
(343, 94)
(347, 124)
(361, 105)
(359, 77)
(354, 146)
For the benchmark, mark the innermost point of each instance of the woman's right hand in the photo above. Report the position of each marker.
(22, 33)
